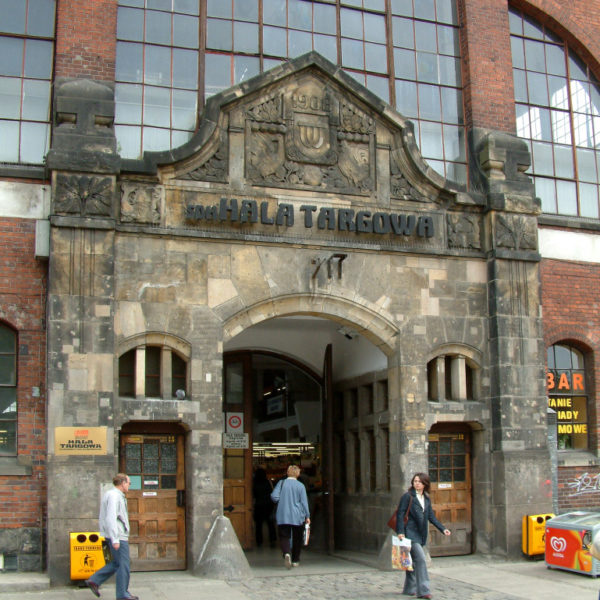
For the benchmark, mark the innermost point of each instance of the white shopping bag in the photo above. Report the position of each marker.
(401, 558)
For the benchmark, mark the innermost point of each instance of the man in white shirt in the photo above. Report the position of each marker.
(114, 526)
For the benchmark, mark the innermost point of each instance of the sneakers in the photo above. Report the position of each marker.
(94, 587)
(288, 561)
(295, 564)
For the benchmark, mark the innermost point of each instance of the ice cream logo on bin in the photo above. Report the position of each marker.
(566, 548)
(558, 544)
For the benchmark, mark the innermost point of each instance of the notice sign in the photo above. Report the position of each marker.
(79, 441)
(235, 440)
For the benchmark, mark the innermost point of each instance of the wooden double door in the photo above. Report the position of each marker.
(156, 499)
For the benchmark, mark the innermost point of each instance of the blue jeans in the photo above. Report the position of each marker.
(417, 581)
(119, 565)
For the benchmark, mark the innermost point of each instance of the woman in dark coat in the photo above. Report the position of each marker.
(420, 513)
(263, 506)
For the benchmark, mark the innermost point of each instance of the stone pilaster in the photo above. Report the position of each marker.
(84, 166)
(520, 461)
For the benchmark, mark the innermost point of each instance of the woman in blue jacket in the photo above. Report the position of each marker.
(292, 513)
(417, 504)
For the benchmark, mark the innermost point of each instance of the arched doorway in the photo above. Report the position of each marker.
(276, 405)
(279, 387)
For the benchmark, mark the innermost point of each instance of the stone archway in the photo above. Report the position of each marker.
(369, 320)
(376, 326)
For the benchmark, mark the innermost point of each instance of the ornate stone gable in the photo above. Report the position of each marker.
(306, 140)
(310, 136)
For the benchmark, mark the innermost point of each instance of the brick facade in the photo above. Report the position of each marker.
(487, 66)
(578, 488)
(86, 39)
(571, 313)
(23, 308)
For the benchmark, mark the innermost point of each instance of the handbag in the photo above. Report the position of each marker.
(394, 518)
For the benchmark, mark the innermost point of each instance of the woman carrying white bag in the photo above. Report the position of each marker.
(416, 505)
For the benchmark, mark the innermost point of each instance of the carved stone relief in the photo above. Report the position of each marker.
(515, 232)
(464, 231)
(399, 185)
(141, 204)
(215, 168)
(83, 195)
(310, 137)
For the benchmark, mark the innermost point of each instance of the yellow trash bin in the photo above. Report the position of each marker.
(534, 531)
(86, 554)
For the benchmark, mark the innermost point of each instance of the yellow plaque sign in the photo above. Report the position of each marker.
(79, 441)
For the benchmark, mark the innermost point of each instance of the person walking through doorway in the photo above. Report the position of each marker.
(292, 514)
(114, 526)
(263, 506)
(416, 504)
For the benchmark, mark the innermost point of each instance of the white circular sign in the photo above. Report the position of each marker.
(234, 422)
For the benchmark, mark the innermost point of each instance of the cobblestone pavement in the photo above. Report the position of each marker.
(372, 585)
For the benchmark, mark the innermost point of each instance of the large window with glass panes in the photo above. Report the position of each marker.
(557, 102)
(26, 58)
(174, 54)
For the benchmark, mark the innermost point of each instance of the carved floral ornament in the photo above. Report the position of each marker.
(515, 232)
(83, 195)
(310, 137)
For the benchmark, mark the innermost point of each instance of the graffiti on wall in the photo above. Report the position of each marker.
(584, 484)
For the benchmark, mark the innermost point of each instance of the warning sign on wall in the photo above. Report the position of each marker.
(234, 422)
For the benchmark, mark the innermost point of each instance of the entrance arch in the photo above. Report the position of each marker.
(365, 318)
(355, 329)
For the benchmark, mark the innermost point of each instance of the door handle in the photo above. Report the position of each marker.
(228, 508)
(180, 497)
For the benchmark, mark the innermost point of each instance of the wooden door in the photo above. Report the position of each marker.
(450, 473)
(156, 500)
(237, 462)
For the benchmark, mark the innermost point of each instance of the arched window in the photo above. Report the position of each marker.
(8, 391)
(557, 102)
(567, 395)
(154, 368)
(405, 51)
(452, 376)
